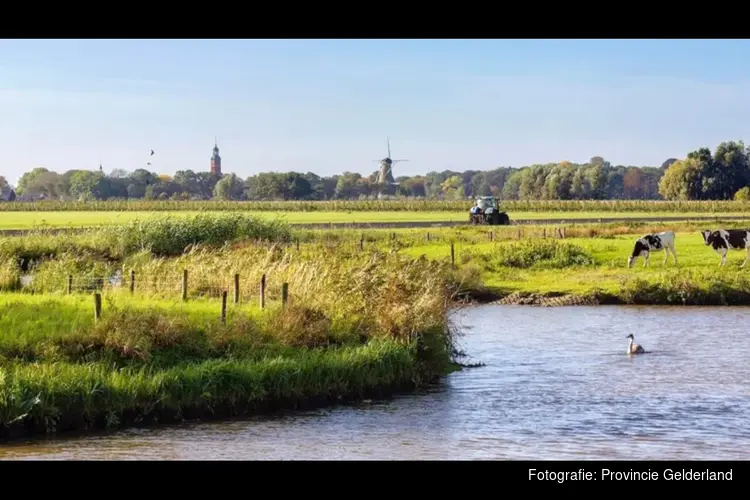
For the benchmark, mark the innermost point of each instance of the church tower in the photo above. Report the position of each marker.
(216, 160)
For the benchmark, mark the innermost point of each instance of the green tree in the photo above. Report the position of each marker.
(86, 185)
(27, 177)
(730, 170)
(230, 187)
(453, 188)
(512, 186)
(682, 180)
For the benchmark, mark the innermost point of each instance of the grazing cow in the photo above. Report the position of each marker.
(724, 240)
(651, 242)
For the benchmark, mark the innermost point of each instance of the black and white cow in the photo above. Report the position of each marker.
(724, 240)
(652, 242)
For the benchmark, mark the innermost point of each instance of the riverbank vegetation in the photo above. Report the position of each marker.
(589, 265)
(183, 330)
(195, 337)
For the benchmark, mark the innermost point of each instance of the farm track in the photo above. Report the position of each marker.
(427, 224)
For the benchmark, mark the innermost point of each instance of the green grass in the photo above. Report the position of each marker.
(358, 319)
(145, 361)
(63, 396)
(151, 356)
(407, 205)
(598, 267)
(30, 220)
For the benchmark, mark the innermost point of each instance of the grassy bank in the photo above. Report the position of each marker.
(364, 314)
(593, 269)
(61, 372)
(355, 323)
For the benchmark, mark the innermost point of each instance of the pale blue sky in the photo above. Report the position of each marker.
(327, 105)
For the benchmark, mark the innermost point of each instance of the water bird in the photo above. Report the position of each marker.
(634, 348)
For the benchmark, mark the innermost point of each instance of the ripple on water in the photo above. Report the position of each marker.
(557, 385)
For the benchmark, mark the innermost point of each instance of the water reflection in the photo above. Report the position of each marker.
(557, 385)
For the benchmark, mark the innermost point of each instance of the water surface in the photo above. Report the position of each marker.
(558, 385)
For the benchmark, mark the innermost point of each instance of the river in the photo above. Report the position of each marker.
(557, 385)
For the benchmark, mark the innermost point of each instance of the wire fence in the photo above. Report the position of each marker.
(178, 292)
(179, 287)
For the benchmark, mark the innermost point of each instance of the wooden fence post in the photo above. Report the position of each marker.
(236, 288)
(297, 244)
(70, 284)
(284, 293)
(263, 291)
(97, 306)
(427, 237)
(492, 235)
(224, 306)
(132, 282)
(184, 284)
(453, 255)
(362, 242)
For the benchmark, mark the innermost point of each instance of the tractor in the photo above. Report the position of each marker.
(487, 211)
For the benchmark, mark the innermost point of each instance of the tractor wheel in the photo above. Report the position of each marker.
(494, 219)
(503, 219)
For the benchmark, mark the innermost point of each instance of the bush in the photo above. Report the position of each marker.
(526, 254)
(167, 236)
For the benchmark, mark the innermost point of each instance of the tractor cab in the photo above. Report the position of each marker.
(485, 202)
(487, 211)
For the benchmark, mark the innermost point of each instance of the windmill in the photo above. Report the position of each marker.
(385, 176)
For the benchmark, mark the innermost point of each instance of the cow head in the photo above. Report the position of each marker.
(708, 236)
(638, 249)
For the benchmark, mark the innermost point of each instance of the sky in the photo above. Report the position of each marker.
(328, 106)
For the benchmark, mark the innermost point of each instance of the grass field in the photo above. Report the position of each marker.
(366, 311)
(585, 266)
(397, 205)
(62, 371)
(153, 356)
(29, 220)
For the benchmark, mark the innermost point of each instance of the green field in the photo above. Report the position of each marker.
(585, 266)
(152, 356)
(29, 220)
(406, 205)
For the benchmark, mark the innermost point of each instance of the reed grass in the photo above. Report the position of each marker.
(355, 321)
(363, 314)
(61, 396)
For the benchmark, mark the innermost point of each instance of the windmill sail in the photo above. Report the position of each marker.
(385, 175)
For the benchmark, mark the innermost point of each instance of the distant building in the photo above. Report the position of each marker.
(7, 194)
(216, 160)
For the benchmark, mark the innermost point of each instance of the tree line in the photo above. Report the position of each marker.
(701, 175)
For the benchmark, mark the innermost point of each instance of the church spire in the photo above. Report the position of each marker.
(216, 159)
